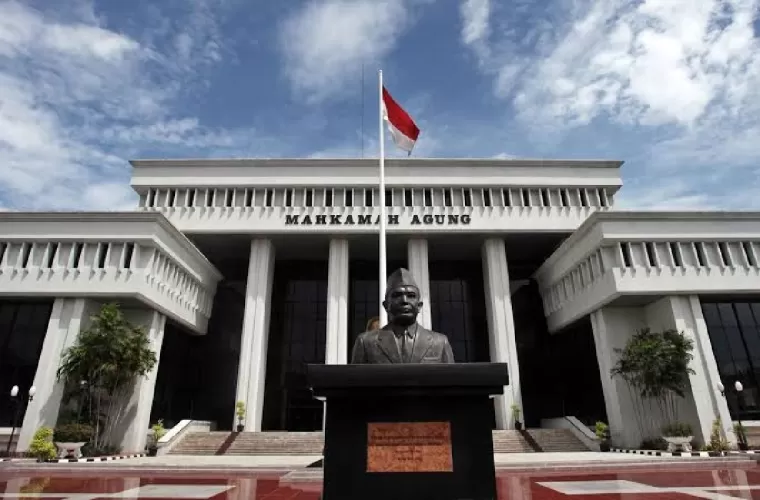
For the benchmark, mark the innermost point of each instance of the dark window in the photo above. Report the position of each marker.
(734, 329)
(408, 201)
(296, 338)
(457, 308)
(22, 332)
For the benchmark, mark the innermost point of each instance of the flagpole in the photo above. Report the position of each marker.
(383, 271)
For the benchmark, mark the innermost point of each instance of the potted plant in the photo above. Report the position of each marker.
(240, 412)
(516, 416)
(602, 432)
(655, 366)
(718, 443)
(741, 436)
(678, 436)
(42, 447)
(157, 432)
(69, 439)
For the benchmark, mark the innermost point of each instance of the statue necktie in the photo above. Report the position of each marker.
(405, 348)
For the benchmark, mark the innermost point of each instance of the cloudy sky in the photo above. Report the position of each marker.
(670, 86)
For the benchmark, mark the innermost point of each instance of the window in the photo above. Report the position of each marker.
(734, 330)
(22, 332)
(447, 198)
(408, 199)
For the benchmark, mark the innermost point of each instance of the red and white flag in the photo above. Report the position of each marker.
(401, 126)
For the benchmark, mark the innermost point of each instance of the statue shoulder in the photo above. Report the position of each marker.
(438, 336)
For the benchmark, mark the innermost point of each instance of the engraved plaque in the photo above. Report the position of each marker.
(409, 447)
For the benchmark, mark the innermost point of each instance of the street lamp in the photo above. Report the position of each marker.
(17, 407)
(743, 445)
(739, 388)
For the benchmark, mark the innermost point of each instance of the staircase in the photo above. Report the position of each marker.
(311, 443)
(200, 443)
(277, 443)
(250, 443)
(557, 440)
(510, 442)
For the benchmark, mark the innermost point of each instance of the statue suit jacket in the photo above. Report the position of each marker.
(379, 346)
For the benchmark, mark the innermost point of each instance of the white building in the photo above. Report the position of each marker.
(244, 270)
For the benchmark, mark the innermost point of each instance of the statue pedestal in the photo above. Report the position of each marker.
(408, 431)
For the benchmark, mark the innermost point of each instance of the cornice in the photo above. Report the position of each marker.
(645, 215)
(372, 162)
(115, 217)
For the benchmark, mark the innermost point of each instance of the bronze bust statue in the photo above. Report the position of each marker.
(402, 340)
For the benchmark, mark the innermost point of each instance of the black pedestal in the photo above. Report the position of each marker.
(409, 431)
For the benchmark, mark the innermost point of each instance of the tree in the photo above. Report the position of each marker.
(109, 356)
(656, 368)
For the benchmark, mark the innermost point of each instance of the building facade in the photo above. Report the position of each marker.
(243, 271)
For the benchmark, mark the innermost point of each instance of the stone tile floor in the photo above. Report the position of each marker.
(731, 483)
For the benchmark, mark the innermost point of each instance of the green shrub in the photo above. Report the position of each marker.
(602, 430)
(42, 447)
(73, 433)
(677, 429)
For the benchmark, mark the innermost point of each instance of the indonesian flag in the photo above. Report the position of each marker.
(403, 129)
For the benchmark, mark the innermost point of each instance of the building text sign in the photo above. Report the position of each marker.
(368, 220)
(409, 447)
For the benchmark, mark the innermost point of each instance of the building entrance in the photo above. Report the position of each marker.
(297, 336)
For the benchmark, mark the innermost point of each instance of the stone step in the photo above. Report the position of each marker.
(312, 443)
(557, 440)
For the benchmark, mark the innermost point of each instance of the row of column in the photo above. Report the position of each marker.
(253, 348)
(69, 316)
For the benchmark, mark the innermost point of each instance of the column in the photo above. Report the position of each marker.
(137, 412)
(611, 330)
(708, 402)
(253, 339)
(501, 327)
(418, 265)
(336, 349)
(66, 319)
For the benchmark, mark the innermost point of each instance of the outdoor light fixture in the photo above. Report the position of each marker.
(16, 411)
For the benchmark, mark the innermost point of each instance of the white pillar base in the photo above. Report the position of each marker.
(417, 257)
(501, 328)
(255, 335)
(66, 319)
(137, 412)
(336, 348)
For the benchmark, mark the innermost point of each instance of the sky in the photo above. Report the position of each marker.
(671, 87)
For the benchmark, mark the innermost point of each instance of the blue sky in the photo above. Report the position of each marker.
(670, 86)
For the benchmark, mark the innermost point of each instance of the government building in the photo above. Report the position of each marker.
(245, 270)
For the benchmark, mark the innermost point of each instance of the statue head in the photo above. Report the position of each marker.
(402, 298)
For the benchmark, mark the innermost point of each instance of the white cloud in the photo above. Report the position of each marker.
(77, 99)
(684, 72)
(325, 43)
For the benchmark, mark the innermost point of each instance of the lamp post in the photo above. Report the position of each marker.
(16, 410)
(739, 388)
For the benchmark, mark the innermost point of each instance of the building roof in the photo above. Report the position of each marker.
(369, 162)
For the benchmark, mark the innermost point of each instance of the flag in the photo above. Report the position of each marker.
(401, 126)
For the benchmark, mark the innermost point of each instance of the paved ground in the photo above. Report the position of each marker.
(732, 480)
(295, 461)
